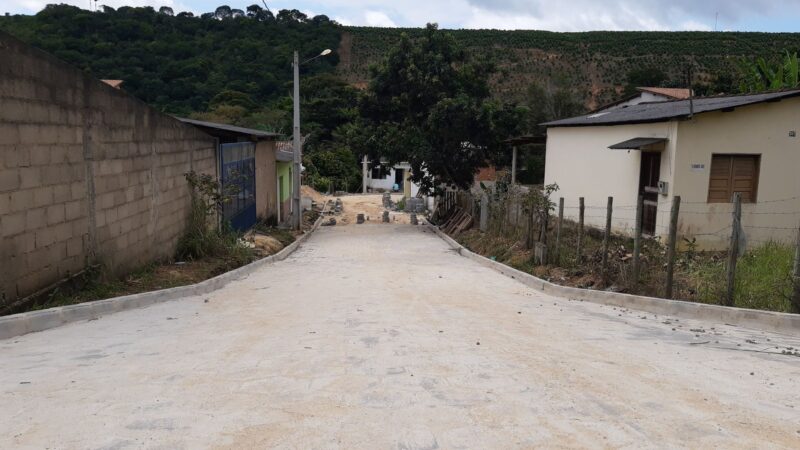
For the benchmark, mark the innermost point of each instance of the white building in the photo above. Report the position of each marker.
(703, 151)
(389, 179)
(649, 95)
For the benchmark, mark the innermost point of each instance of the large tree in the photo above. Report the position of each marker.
(428, 104)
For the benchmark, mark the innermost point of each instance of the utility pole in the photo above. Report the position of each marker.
(514, 165)
(364, 172)
(296, 147)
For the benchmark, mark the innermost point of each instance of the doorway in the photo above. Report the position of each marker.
(649, 176)
(399, 178)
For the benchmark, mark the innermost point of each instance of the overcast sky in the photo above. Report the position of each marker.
(555, 15)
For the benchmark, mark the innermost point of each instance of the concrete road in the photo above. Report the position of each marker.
(378, 336)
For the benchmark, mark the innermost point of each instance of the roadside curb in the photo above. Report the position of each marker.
(750, 318)
(29, 322)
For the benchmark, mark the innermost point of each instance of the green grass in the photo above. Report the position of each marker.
(764, 278)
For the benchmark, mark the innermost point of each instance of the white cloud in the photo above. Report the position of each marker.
(378, 19)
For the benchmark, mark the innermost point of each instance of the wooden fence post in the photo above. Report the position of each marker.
(607, 237)
(529, 237)
(543, 227)
(557, 254)
(796, 277)
(733, 251)
(637, 240)
(673, 237)
(580, 230)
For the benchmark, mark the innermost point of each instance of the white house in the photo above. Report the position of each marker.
(383, 178)
(702, 150)
(649, 95)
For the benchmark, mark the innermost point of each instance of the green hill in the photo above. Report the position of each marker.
(594, 65)
(180, 63)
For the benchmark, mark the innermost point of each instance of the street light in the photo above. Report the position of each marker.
(297, 150)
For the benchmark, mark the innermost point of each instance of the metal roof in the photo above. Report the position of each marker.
(636, 143)
(230, 129)
(664, 111)
(526, 139)
(283, 155)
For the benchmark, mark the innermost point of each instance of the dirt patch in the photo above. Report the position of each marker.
(308, 191)
(371, 205)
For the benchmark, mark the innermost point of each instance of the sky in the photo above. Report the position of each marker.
(553, 15)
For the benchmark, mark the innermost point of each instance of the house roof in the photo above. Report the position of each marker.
(283, 155)
(637, 143)
(674, 93)
(217, 129)
(674, 109)
(526, 139)
(116, 84)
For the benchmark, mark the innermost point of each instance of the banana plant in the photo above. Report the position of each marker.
(759, 75)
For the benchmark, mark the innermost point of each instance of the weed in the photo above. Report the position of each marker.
(203, 239)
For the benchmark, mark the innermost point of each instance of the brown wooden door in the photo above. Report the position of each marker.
(648, 188)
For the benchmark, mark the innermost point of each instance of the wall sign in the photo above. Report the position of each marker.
(698, 167)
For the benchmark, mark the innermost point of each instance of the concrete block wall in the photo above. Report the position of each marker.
(88, 174)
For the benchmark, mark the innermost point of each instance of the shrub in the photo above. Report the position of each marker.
(202, 238)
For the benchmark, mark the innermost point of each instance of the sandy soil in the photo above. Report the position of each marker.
(377, 336)
(371, 206)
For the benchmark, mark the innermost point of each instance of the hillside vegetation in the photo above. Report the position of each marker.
(594, 65)
(180, 63)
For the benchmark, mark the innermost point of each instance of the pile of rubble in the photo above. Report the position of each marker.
(332, 208)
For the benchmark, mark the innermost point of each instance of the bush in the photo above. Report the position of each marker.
(201, 238)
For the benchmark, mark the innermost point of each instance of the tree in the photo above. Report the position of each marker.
(760, 75)
(287, 16)
(223, 12)
(166, 10)
(428, 105)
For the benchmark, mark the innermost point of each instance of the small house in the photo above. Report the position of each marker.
(385, 178)
(649, 95)
(703, 150)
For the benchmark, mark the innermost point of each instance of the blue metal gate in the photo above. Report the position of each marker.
(238, 184)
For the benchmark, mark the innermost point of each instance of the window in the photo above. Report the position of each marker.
(733, 173)
(379, 172)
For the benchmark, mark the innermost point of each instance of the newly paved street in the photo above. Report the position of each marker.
(379, 336)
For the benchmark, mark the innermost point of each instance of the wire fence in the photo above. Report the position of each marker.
(730, 229)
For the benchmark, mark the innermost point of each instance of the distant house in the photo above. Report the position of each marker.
(116, 84)
(246, 165)
(396, 178)
(703, 150)
(648, 95)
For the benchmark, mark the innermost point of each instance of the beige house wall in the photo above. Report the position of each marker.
(266, 180)
(761, 129)
(578, 159)
(88, 174)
